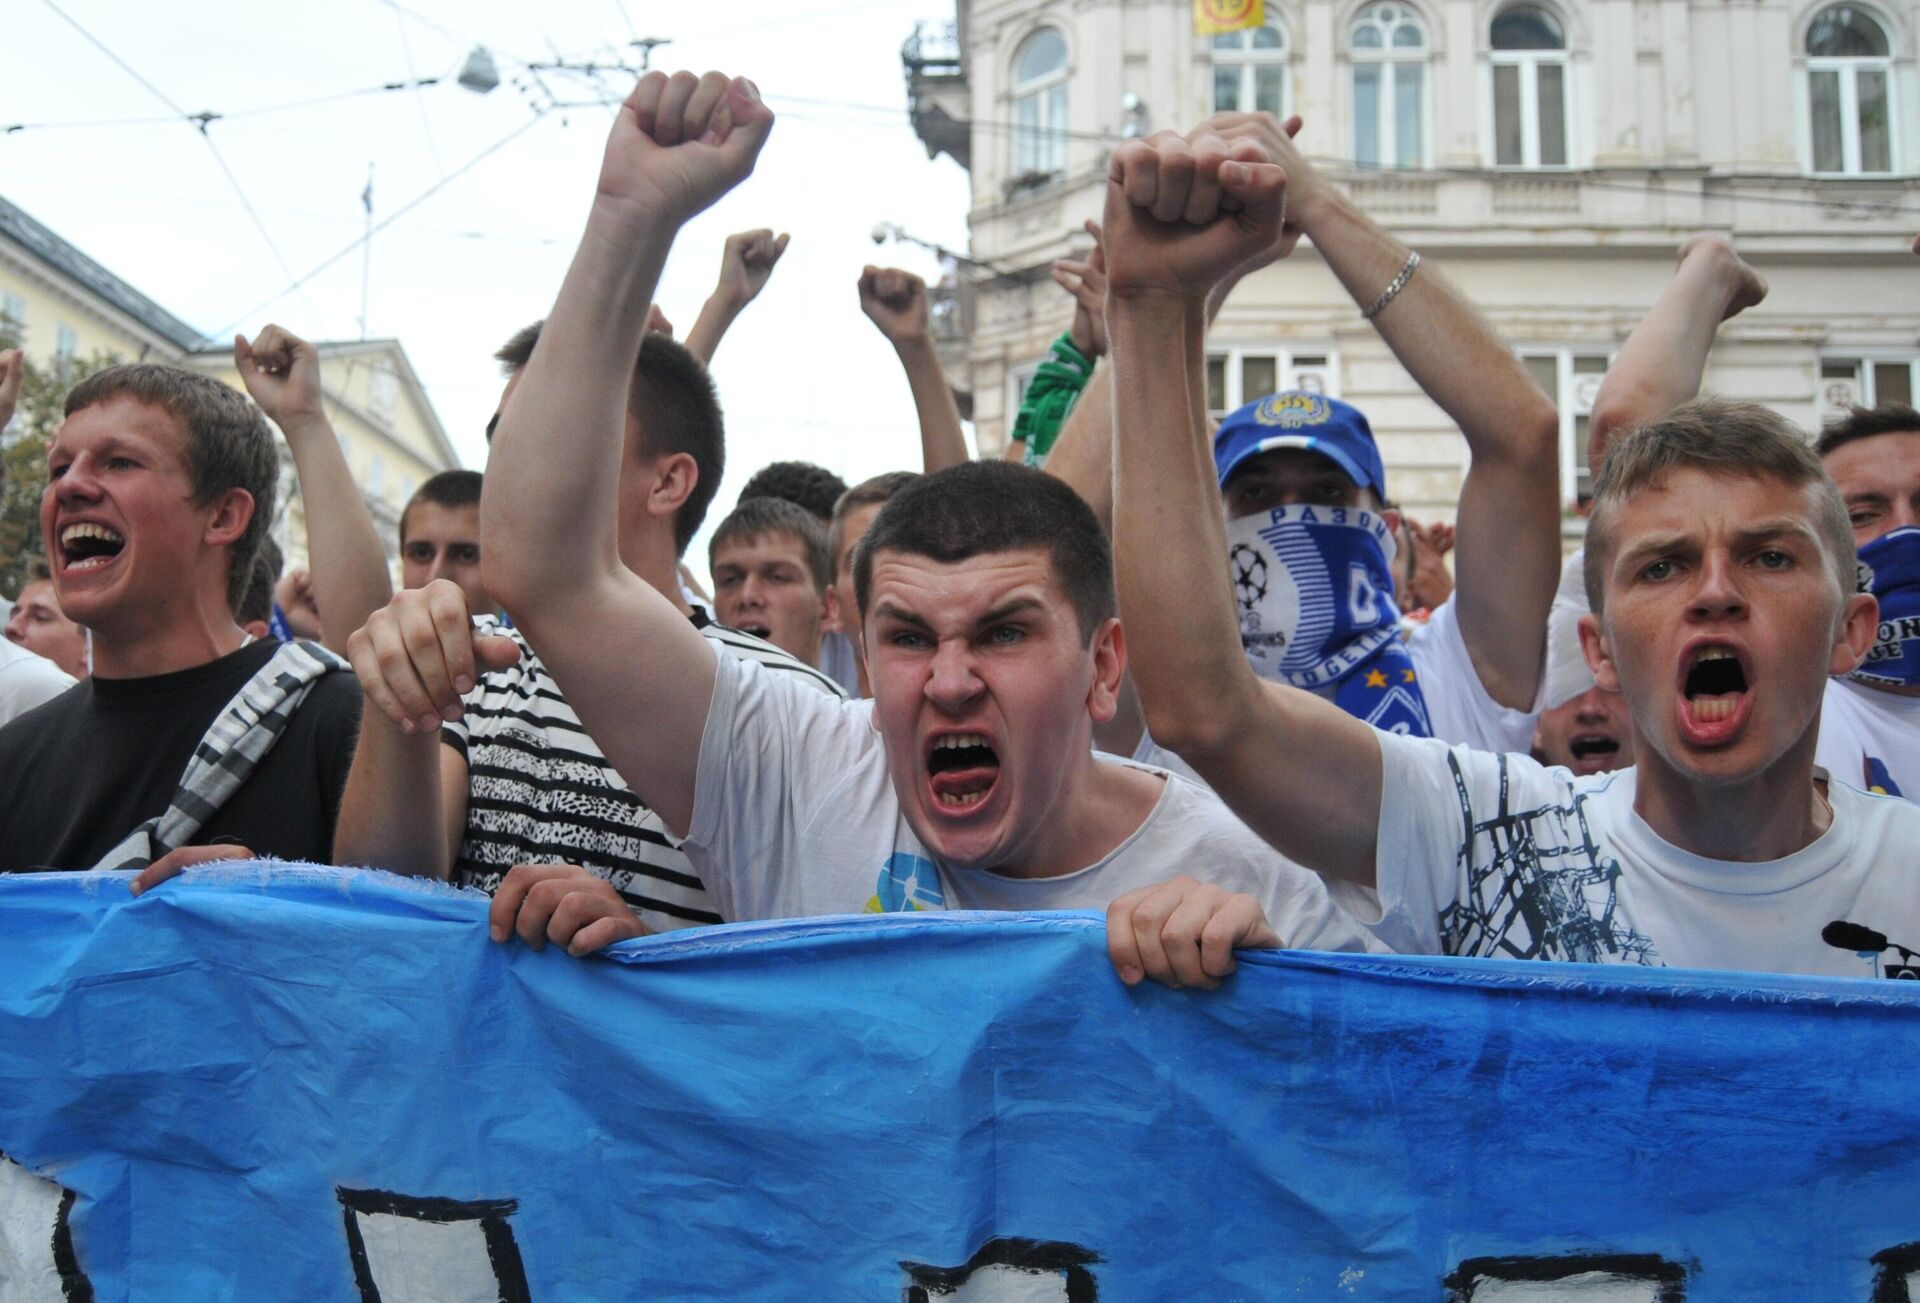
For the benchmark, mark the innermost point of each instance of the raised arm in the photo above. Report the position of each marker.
(350, 579)
(746, 263)
(1507, 561)
(1299, 771)
(1661, 363)
(637, 672)
(896, 302)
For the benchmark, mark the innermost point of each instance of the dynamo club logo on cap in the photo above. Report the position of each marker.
(1292, 410)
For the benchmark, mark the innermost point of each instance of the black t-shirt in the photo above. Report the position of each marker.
(82, 771)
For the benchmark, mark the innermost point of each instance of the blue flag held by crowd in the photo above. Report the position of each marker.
(293, 1083)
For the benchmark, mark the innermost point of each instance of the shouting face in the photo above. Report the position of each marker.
(985, 693)
(1723, 618)
(1591, 734)
(123, 534)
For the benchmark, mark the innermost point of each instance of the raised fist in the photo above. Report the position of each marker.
(282, 372)
(1183, 215)
(681, 142)
(747, 262)
(896, 301)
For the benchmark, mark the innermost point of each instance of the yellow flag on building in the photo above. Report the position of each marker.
(1212, 17)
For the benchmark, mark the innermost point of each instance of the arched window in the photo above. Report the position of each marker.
(1850, 91)
(1529, 88)
(1389, 48)
(1040, 107)
(1250, 71)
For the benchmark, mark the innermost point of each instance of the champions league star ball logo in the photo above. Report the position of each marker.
(1249, 575)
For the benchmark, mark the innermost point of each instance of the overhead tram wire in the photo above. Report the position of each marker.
(202, 120)
(381, 225)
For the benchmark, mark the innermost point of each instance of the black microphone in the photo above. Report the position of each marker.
(1855, 937)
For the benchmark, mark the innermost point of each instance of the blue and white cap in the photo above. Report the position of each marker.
(1294, 418)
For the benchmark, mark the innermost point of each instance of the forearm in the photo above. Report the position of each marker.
(549, 511)
(942, 443)
(1082, 455)
(1169, 536)
(716, 317)
(390, 814)
(1302, 773)
(349, 566)
(1448, 348)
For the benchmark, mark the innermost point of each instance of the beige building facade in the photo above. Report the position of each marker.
(62, 304)
(1549, 155)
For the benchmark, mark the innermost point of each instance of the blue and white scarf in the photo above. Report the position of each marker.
(1316, 610)
(1890, 570)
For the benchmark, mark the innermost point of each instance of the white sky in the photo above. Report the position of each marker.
(802, 374)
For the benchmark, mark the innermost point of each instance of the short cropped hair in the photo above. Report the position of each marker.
(456, 488)
(800, 482)
(995, 506)
(257, 602)
(1865, 422)
(758, 517)
(1742, 440)
(867, 493)
(229, 445)
(672, 399)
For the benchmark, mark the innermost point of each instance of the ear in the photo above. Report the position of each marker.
(1109, 670)
(228, 518)
(673, 479)
(1595, 646)
(255, 629)
(1859, 626)
(830, 620)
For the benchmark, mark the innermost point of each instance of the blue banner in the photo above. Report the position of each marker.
(319, 1085)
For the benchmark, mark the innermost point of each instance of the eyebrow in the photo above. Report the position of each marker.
(1748, 537)
(889, 611)
(1018, 606)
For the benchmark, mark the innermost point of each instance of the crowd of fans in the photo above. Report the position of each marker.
(1207, 678)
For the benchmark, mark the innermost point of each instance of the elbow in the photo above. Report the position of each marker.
(1192, 724)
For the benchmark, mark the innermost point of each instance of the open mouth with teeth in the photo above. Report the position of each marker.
(764, 632)
(1593, 752)
(962, 770)
(1715, 692)
(89, 547)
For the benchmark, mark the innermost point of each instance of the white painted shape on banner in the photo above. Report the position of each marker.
(29, 1216)
(414, 1261)
(1588, 1287)
(1002, 1284)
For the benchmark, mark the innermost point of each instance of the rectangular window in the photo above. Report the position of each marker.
(13, 309)
(1864, 382)
(1553, 114)
(66, 343)
(1507, 149)
(1409, 133)
(1571, 378)
(1366, 114)
(1268, 93)
(1828, 155)
(1876, 137)
(1237, 376)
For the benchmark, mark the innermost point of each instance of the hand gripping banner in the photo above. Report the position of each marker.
(291, 1083)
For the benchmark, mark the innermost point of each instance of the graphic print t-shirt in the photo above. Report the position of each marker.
(1871, 738)
(1500, 857)
(794, 815)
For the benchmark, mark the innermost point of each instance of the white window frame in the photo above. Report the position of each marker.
(1287, 369)
(1389, 57)
(1049, 136)
(1573, 399)
(1849, 69)
(14, 308)
(1529, 63)
(1248, 60)
(1830, 402)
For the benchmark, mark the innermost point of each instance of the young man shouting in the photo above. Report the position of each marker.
(772, 576)
(1720, 571)
(970, 781)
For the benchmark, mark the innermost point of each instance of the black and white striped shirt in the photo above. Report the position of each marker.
(540, 791)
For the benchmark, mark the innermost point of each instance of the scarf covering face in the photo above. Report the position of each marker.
(1890, 570)
(1317, 612)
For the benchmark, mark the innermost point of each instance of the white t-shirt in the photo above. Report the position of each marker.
(1458, 707)
(1498, 856)
(1871, 738)
(794, 815)
(27, 680)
